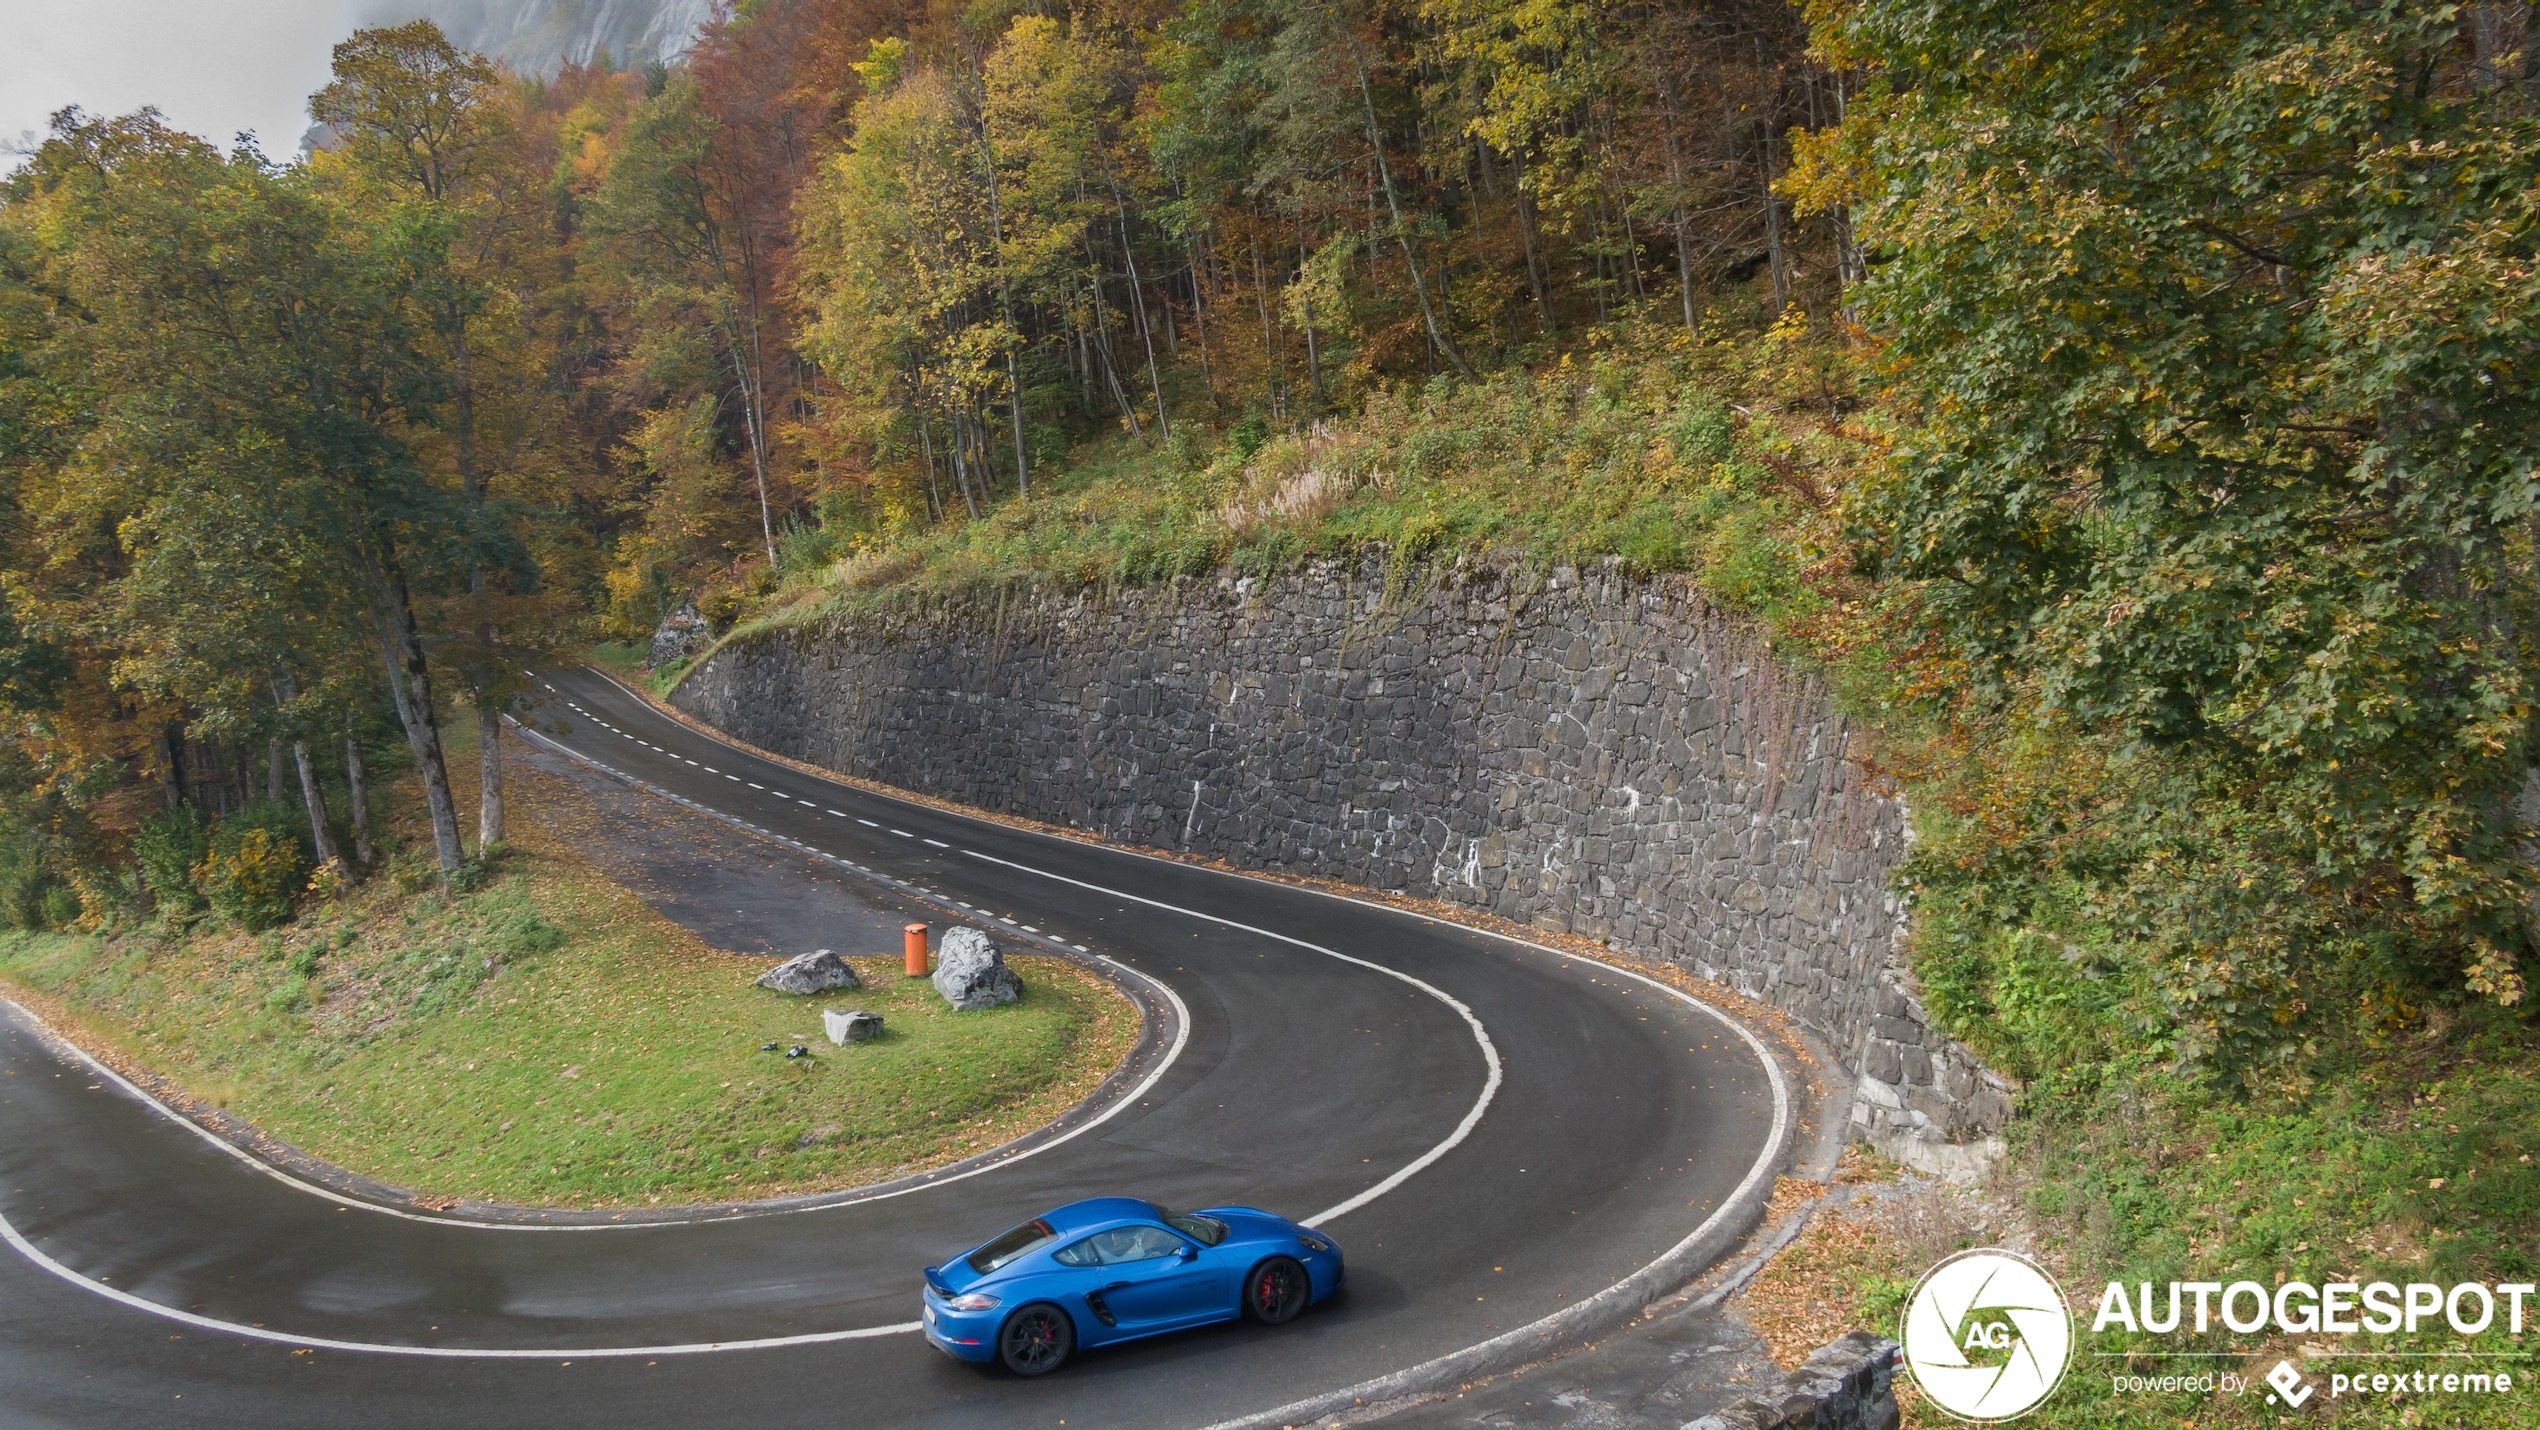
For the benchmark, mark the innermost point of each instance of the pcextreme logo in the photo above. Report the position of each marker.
(1987, 1335)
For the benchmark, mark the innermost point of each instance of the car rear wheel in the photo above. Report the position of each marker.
(1036, 1340)
(1276, 1291)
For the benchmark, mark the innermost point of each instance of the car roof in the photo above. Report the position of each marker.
(1095, 1213)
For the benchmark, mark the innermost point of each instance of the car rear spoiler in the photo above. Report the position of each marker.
(937, 1281)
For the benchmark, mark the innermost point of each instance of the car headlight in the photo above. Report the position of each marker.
(1312, 1242)
(975, 1301)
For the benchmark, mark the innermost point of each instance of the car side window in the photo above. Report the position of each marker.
(1151, 1242)
(1120, 1246)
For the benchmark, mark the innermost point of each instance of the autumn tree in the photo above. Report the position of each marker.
(2216, 325)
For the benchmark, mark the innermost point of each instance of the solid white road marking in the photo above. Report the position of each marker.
(1760, 1172)
(43, 1262)
(1760, 1169)
(1481, 1035)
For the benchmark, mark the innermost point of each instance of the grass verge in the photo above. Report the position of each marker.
(548, 1040)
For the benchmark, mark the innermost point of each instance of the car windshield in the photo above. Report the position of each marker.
(1207, 1231)
(1011, 1245)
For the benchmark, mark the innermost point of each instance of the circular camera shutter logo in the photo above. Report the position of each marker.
(1987, 1335)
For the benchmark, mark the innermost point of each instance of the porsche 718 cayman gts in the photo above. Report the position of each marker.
(1114, 1269)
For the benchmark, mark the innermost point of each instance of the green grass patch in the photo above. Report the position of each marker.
(625, 660)
(549, 1040)
(1647, 451)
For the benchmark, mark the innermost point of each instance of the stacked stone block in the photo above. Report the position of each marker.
(1581, 752)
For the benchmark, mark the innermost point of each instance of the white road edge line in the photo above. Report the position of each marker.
(1760, 1172)
(1481, 1035)
(27, 1249)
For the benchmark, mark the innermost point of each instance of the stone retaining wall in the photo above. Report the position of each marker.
(1581, 752)
(1848, 1384)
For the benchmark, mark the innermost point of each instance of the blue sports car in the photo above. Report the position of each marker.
(1114, 1269)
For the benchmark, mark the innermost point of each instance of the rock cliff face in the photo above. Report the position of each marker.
(1590, 754)
(542, 36)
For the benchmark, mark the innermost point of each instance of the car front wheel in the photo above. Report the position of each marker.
(1036, 1340)
(1277, 1291)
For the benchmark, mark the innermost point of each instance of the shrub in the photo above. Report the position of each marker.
(255, 866)
(524, 935)
(166, 850)
(803, 548)
(58, 907)
(1248, 436)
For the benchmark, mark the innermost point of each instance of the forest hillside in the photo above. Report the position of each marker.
(2132, 407)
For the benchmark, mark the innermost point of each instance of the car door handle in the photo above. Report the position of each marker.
(1117, 1286)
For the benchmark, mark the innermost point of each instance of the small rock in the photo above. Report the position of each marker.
(850, 1027)
(970, 971)
(816, 972)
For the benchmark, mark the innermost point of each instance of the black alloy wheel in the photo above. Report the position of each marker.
(1277, 1291)
(1036, 1340)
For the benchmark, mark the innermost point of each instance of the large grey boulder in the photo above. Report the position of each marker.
(680, 635)
(853, 1026)
(970, 971)
(816, 972)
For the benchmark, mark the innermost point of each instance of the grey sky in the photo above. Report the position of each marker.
(213, 67)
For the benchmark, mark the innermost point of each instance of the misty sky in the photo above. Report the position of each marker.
(213, 67)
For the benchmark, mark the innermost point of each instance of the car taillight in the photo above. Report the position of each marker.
(973, 1302)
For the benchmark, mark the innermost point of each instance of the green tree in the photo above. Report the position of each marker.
(430, 169)
(249, 369)
(2220, 330)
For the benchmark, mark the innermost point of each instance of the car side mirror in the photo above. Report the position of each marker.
(1188, 1253)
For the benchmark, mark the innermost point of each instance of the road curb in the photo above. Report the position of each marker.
(1160, 1027)
(1717, 1236)
(1709, 1242)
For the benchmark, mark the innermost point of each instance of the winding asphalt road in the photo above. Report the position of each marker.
(1494, 1132)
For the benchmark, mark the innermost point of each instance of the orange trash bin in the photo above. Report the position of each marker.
(916, 950)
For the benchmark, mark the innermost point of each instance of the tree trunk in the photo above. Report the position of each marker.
(273, 772)
(489, 778)
(1772, 206)
(1138, 302)
(1005, 305)
(1401, 231)
(215, 777)
(1272, 370)
(1538, 271)
(1199, 325)
(1313, 351)
(758, 445)
(1669, 115)
(1849, 269)
(357, 794)
(313, 795)
(171, 770)
(1103, 347)
(410, 685)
